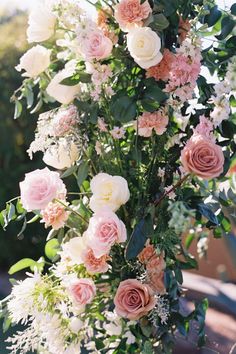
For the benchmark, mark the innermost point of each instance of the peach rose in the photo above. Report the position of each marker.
(202, 157)
(133, 299)
(156, 264)
(156, 282)
(105, 229)
(40, 187)
(93, 264)
(129, 13)
(147, 253)
(83, 291)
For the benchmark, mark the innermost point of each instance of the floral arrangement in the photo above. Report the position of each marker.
(141, 149)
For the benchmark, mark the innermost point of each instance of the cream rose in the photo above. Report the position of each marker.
(144, 46)
(62, 93)
(108, 191)
(35, 61)
(61, 156)
(41, 24)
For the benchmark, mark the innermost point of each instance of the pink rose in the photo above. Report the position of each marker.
(96, 46)
(40, 187)
(202, 157)
(55, 215)
(105, 229)
(83, 291)
(129, 13)
(93, 264)
(133, 299)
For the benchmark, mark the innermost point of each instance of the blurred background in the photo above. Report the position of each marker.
(217, 272)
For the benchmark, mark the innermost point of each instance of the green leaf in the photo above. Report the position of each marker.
(11, 212)
(6, 324)
(52, 247)
(227, 25)
(204, 210)
(18, 109)
(124, 109)
(69, 171)
(154, 95)
(22, 264)
(233, 9)
(76, 79)
(189, 240)
(213, 17)
(142, 231)
(82, 173)
(159, 22)
(147, 348)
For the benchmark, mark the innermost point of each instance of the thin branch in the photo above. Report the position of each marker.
(177, 185)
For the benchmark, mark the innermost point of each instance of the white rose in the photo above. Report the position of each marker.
(41, 24)
(35, 61)
(75, 325)
(108, 191)
(73, 249)
(63, 93)
(144, 46)
(61, 156)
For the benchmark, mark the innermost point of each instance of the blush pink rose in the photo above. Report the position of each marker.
(129, 13)
(83, 291)
(104, 230)
(55, 215)
(94, 265)
(133, 299)
(202, 157)
(40, 187)
(96, 46)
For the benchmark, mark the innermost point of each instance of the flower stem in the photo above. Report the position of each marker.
(72, 210)
(177, 185)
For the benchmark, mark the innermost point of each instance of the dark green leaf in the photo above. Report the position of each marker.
(227, 25)
(159, 22)
(204, 210)
(82, 173)
(213, 17)
(123, 109)
(142, 231)
(233, 9)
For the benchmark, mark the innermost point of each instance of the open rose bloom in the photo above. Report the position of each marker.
(133, 299)
(139, 144)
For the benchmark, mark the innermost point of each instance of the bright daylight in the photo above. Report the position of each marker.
(118, 177)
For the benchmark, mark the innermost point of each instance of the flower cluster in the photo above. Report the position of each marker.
(129, 115)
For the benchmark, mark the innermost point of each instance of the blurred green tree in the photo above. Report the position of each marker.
(16, 136)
